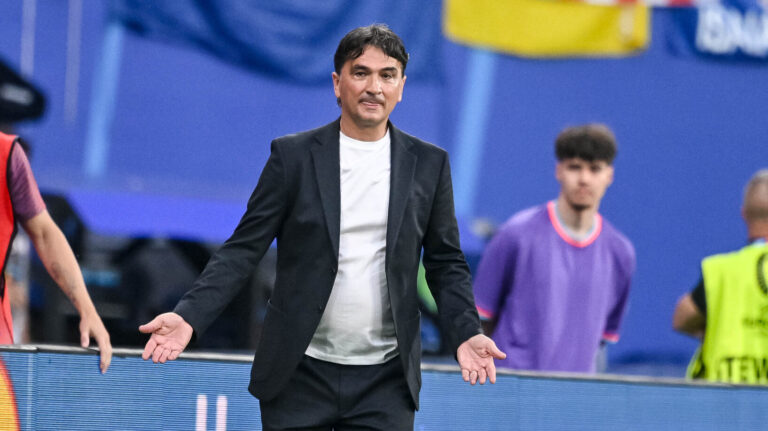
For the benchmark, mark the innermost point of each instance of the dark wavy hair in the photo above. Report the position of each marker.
(589, 142)
(378, 35)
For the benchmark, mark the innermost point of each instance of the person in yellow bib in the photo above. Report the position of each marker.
(728, 309)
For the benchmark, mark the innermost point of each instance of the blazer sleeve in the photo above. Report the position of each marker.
(446, 268)
(231, 266)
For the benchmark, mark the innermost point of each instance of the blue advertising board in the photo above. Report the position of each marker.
(56, 388)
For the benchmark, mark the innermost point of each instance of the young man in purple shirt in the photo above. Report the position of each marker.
(553, 282)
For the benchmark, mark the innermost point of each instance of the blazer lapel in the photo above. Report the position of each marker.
(403, 167)
(325, 154)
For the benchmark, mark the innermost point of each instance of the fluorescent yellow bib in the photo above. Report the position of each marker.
(735, 347)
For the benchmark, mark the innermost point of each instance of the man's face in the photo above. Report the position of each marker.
(583, 183)
(369, 87)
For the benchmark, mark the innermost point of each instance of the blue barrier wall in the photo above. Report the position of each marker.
(61, 388)
(184, 123)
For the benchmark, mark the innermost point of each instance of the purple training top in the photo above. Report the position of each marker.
(554, 297)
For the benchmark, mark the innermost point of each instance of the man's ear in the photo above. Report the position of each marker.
(610, 174)
(335, 77)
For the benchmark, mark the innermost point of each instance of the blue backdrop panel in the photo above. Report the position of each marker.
(57, 390)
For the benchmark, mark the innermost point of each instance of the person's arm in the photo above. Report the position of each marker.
(449, 280)
(688, 319)
(60, 262)
(228, 269)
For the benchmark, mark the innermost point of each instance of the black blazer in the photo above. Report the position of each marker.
(297, 201)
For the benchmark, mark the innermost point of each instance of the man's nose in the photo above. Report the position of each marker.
(374, 85)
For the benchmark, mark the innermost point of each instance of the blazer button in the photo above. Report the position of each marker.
(320, 309)
(333, 270)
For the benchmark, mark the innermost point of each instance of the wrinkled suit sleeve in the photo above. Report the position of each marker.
(446, 268)
(231, 266)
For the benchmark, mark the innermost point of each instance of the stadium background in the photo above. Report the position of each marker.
(157, 129)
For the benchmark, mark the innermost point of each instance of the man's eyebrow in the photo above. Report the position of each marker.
(390, 69)
(363, 68)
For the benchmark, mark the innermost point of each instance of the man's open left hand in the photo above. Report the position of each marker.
(475, 358)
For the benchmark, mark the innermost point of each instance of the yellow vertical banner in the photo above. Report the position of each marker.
(548, 28)
(9, 416)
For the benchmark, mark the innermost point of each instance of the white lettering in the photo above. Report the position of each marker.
(755, 34)
(201, 418)
(221, 413)
(722, 30)
(711, 32)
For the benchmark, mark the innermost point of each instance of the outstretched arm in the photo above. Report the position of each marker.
(447, 272)
(60, 262)
(230, 267)
(449, 279)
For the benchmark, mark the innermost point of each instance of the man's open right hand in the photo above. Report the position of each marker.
(170, 335)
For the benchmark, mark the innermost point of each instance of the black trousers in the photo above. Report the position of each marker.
(327, 396)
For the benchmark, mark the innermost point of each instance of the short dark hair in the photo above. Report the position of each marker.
(589, 142)
(378, 35)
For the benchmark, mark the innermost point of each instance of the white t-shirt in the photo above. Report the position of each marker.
(357, 326)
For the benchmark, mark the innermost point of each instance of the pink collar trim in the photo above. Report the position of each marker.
(564, 234)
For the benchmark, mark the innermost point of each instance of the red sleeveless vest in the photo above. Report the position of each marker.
(7, 231)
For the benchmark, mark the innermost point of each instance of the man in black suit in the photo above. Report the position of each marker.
(352, 204)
